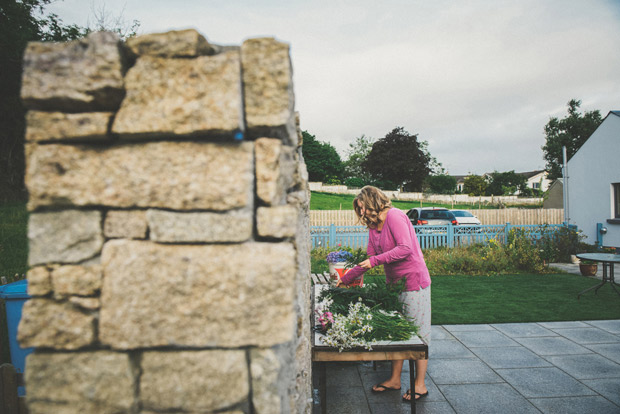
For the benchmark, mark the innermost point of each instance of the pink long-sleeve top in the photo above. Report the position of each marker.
(395, 247)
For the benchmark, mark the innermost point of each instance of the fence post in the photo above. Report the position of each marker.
(332, 235)
(507, 231)
(450, 235)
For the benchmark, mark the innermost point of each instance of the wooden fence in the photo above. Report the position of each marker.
(494, 216)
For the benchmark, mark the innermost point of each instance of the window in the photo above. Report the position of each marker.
(535, 186)
(616, 200)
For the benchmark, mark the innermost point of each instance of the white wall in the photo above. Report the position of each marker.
(591, 172)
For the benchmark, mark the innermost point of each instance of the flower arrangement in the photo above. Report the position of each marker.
(359, 316)
(338, 256)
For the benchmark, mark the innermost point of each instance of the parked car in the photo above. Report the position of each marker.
(465, 217)
(431, 216)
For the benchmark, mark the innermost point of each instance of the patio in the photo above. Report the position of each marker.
(547, 367)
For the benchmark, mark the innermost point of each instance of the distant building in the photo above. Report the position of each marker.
(537, 180)
(460, 182)
(555, 195)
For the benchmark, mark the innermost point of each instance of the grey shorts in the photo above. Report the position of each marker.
(418, 307)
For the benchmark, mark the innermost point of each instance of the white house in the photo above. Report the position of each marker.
(593, 184)
(537, 180)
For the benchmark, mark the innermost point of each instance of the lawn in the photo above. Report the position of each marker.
(518, 298)
(328, 201)
(13, 240)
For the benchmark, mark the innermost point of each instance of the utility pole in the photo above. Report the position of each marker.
(565, 186)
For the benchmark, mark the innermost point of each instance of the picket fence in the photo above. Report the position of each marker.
(429, 237)
(519, 216)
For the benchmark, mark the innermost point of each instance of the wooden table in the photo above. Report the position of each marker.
(607, 260)
(412, 350)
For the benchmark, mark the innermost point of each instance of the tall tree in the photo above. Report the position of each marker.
(399, 160)
(355, 175)
(571, 131)
(475, 185)
(322, 160)
(506, 183)
(441, 184)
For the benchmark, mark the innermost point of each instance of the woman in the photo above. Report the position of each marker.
(392, 243)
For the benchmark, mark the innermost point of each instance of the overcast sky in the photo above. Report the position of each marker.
(476, 79)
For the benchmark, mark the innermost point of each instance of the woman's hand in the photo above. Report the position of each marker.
(339, 283)
(365, 264)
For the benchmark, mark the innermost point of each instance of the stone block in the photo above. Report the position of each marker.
(179, 227)
(180, 176)
(187, 97)
(193, 381)
(85, 303)
(99, 382)
(79, 76)
(278, 222)
(68, 236)
(268, 89)
(59, 325)
(265, 368)
(56, 126)
(76, 280)
(39, 282)
(175, 43)
(242, 293)
(129, 224)
(275, 168)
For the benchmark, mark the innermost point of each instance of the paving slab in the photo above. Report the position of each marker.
(422, 407)
(566, 324)
(390, 397)
(446, 349)
(612, 326)
(472, 339)
(544, 382)
(439, 333)
(346, 400)
(591, 366)
(608, 388)
(552, 346)
(510, 357)
(461, 371)
(610, 351)
(465, 328)
(343, 373)
(589, 335)
(486, 398)
(575, 405)
(523, 330)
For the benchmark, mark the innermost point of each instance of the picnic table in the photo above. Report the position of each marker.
(607, 260)
(412, 350)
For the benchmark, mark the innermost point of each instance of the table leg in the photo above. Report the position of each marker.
(323, 386)
(597, 286)
(412, 383)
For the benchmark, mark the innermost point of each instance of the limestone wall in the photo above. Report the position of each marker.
(168, 229)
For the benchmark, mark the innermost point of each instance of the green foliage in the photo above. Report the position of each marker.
(398, 160)
(505, 183)
(441, 184)
(475, 185)
(13, 240)
(523, 252)
(571, 131)
(356, 154)
(559, 245)
(318, 262)
(322, 160)
(382, 295)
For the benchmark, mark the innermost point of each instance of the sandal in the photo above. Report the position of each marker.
(417, 394)
(382, 388)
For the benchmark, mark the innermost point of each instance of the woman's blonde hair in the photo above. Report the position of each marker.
(374, 201)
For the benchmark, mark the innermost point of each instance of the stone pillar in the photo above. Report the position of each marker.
(169, 231)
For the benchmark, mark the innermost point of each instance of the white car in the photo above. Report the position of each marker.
(464, 217)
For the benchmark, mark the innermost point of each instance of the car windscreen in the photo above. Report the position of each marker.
(435, 214)
(462, 214)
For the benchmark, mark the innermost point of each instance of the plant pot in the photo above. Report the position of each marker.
(338, 269)
(588, 269)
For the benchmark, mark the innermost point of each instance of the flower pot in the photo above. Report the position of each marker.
(338, 269)
(588, 269)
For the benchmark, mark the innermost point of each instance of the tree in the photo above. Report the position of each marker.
(24, 21)
(441, 184)
(399, 160)
(322, 160)
(357, 153)
(475, 185)
(506, 183)
(571, 131)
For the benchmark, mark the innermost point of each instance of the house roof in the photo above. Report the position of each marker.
(530, 174)
(615, 112)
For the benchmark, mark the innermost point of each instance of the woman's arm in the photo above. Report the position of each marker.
(358, 271)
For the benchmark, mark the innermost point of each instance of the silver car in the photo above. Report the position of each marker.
(466, 218)
(431, 216)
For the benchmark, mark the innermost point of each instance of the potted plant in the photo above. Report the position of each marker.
(337, 262)
(588, 268)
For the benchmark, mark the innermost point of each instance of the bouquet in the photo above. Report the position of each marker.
(359, 316)
(338, 256)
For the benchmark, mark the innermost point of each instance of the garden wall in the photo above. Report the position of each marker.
(168, 229)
